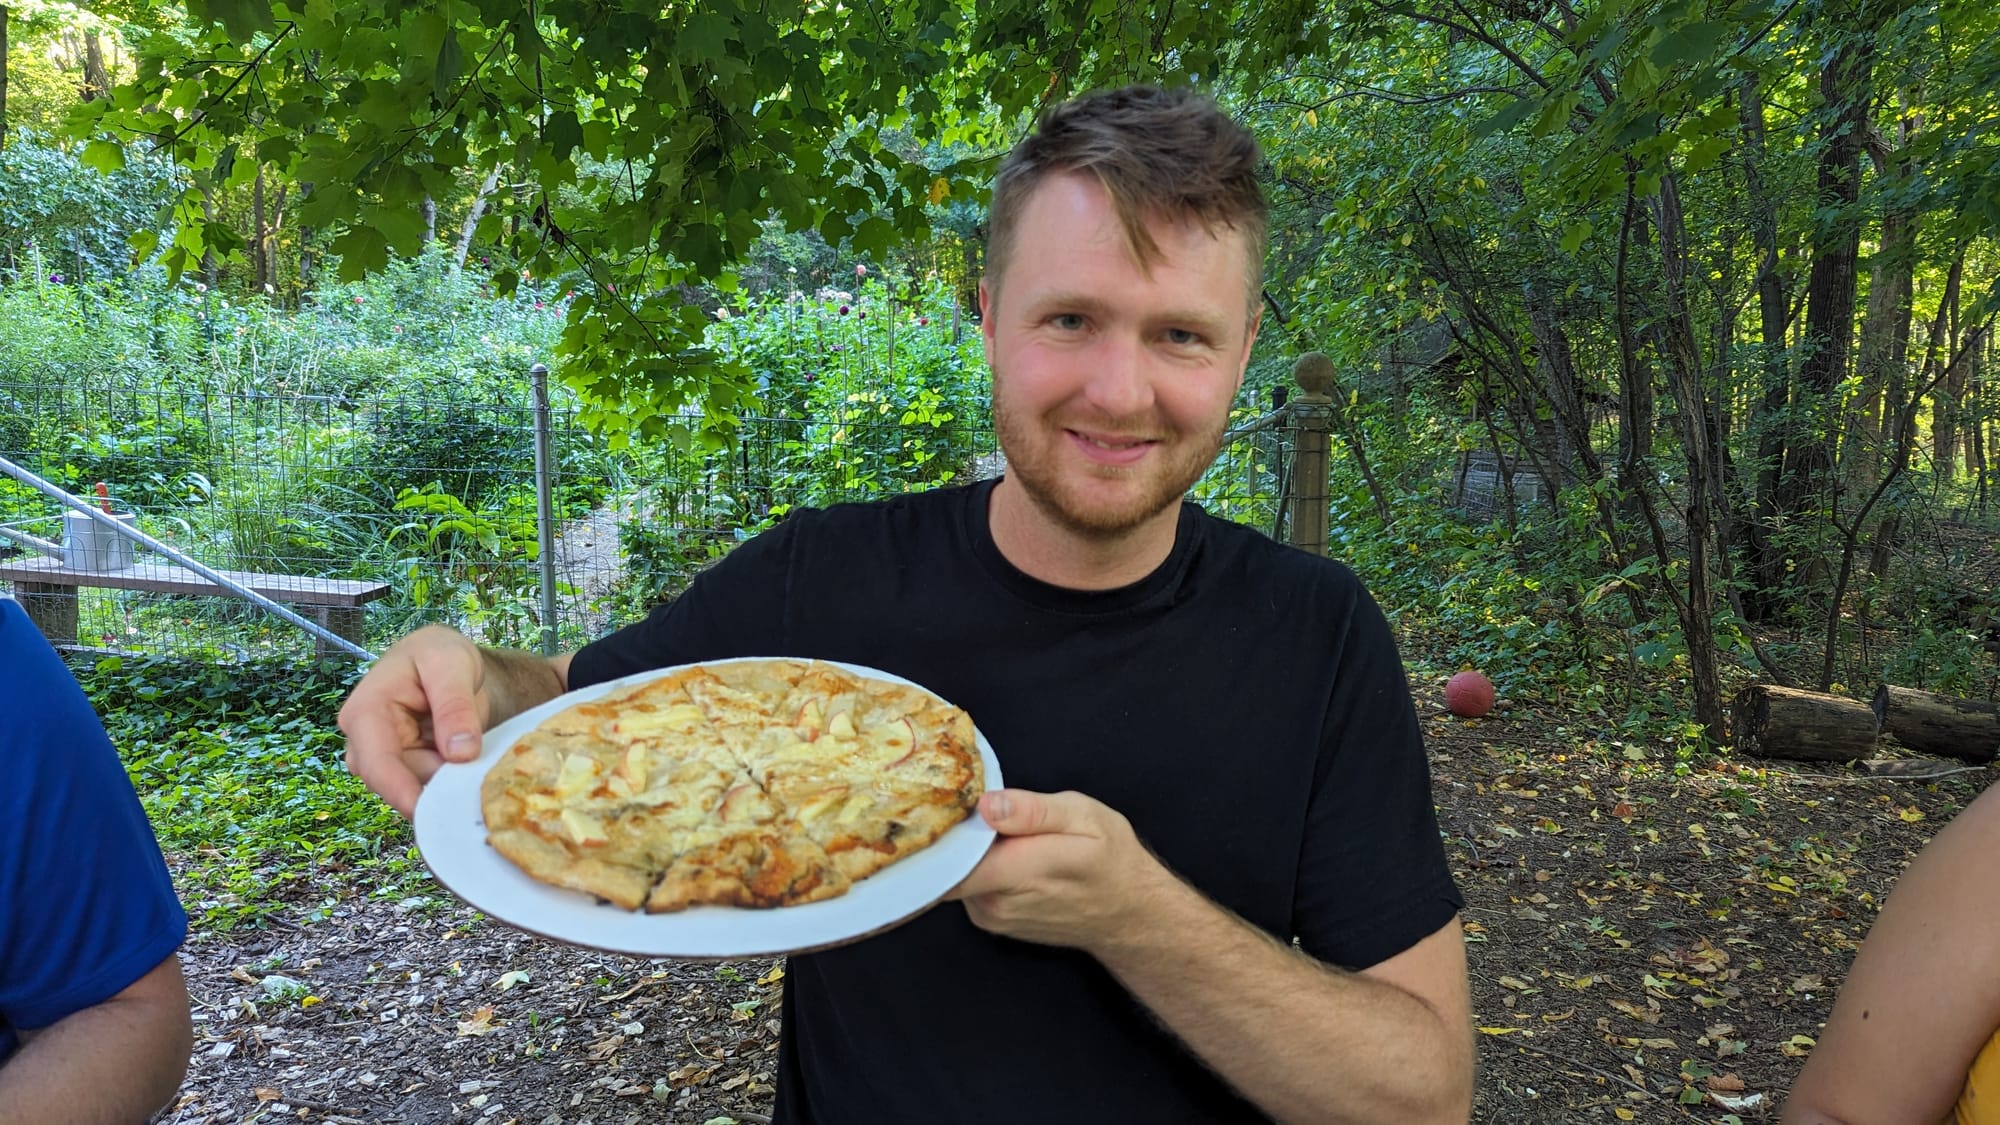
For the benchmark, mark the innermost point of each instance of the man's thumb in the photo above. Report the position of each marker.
(1018, 812)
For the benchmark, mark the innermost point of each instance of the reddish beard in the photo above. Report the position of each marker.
(1034, 461)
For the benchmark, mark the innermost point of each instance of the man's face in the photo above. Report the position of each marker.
(1112, 385)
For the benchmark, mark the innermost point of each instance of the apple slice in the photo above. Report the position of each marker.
(577, 777)
(635, 767)
(810, 721)
(584, 828)
(841, 726)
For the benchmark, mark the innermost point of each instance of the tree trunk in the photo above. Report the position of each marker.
(472, 218)
(1766, 563)
(1707, 513)
(277, 224)
(1883, 352)
(1948, 405)
(1966, 729)
(3, 76)
(1805, 726)
(96, 83)
(1830, 291)
(430, 213)
(258, 233)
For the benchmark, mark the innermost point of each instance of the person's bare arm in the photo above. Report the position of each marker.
(1924, 993)
(429, 698)
(1305, 1041)
(111, 1064)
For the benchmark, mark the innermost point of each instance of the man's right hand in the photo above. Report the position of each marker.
(425, 702)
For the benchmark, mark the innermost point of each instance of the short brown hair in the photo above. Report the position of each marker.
(1157, 152)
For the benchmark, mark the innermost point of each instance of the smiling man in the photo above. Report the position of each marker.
(1219, 894)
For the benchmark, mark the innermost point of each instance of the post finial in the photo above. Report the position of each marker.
(1313, 372)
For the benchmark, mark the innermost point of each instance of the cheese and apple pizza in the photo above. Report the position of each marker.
(748, 783)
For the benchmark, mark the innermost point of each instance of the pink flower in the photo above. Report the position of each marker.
(861, 271)
(357, 300)
(538, 306)
(923, 320)
(396, 328)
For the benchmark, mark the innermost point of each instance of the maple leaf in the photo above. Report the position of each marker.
(480, 1022)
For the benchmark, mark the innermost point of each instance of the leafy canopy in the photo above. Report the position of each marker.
(642, 143)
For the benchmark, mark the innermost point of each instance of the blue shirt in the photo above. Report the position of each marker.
(86, 905)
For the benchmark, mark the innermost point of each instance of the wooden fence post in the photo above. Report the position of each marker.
(1312, 430)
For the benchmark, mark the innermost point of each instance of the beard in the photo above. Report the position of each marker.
(1124, 497)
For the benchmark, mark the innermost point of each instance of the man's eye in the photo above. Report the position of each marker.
(1181, 337)
(1068, 322)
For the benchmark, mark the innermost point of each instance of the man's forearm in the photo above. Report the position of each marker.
(1304, 1041)
(113, 1064)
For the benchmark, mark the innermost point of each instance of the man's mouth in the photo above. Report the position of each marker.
(1112, 448)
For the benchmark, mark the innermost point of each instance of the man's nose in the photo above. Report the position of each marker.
(1120, 385)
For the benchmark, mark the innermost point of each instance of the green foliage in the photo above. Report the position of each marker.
(80, 221)
(468, 567)
(239, 770)
(649, 146)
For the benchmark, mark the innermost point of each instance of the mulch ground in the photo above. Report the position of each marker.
(1644, 946)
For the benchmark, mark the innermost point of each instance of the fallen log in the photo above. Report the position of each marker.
(1966, 729)
(1808, 726)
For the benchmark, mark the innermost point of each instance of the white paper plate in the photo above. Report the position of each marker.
(451, 835)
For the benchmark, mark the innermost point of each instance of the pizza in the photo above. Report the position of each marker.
(756, 783)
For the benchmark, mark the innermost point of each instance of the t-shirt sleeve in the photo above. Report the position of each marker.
(86, 904)
(736, 607)
(1373, 880)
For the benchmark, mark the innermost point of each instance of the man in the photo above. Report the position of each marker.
(1210, 738)
(94, 1023)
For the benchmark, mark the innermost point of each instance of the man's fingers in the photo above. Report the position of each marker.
(450, 686)
(388, 776)
(1021, 812)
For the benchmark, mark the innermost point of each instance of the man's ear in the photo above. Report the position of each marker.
(1249, 342)
(989, 305)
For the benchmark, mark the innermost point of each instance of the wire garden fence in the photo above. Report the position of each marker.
(432, 502)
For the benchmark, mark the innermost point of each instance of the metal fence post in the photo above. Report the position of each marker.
(1312, 429)
(545, 517)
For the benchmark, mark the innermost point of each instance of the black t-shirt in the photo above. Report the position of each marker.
(1243, 705)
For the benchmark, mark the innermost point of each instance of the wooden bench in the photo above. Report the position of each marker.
(47, 590)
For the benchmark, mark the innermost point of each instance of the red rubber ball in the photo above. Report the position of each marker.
(1468, 694)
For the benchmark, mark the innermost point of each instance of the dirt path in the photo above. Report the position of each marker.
(1642, 946)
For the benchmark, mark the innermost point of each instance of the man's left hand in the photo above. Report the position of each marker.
(1068, 870)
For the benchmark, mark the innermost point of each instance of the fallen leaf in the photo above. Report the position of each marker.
(267, 1093)
(603, 1048)
(1498, 1030)
(1910, 815)
(1622, 1114)
(777, 972)
(1727, 1083)
(480, 1022)
(1517, 984)
(1797, 1047)
(1733, 1104)
(1557, 1017)
(511, 978)
(1808, 982)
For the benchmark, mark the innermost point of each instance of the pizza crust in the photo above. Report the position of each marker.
(758, 784)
